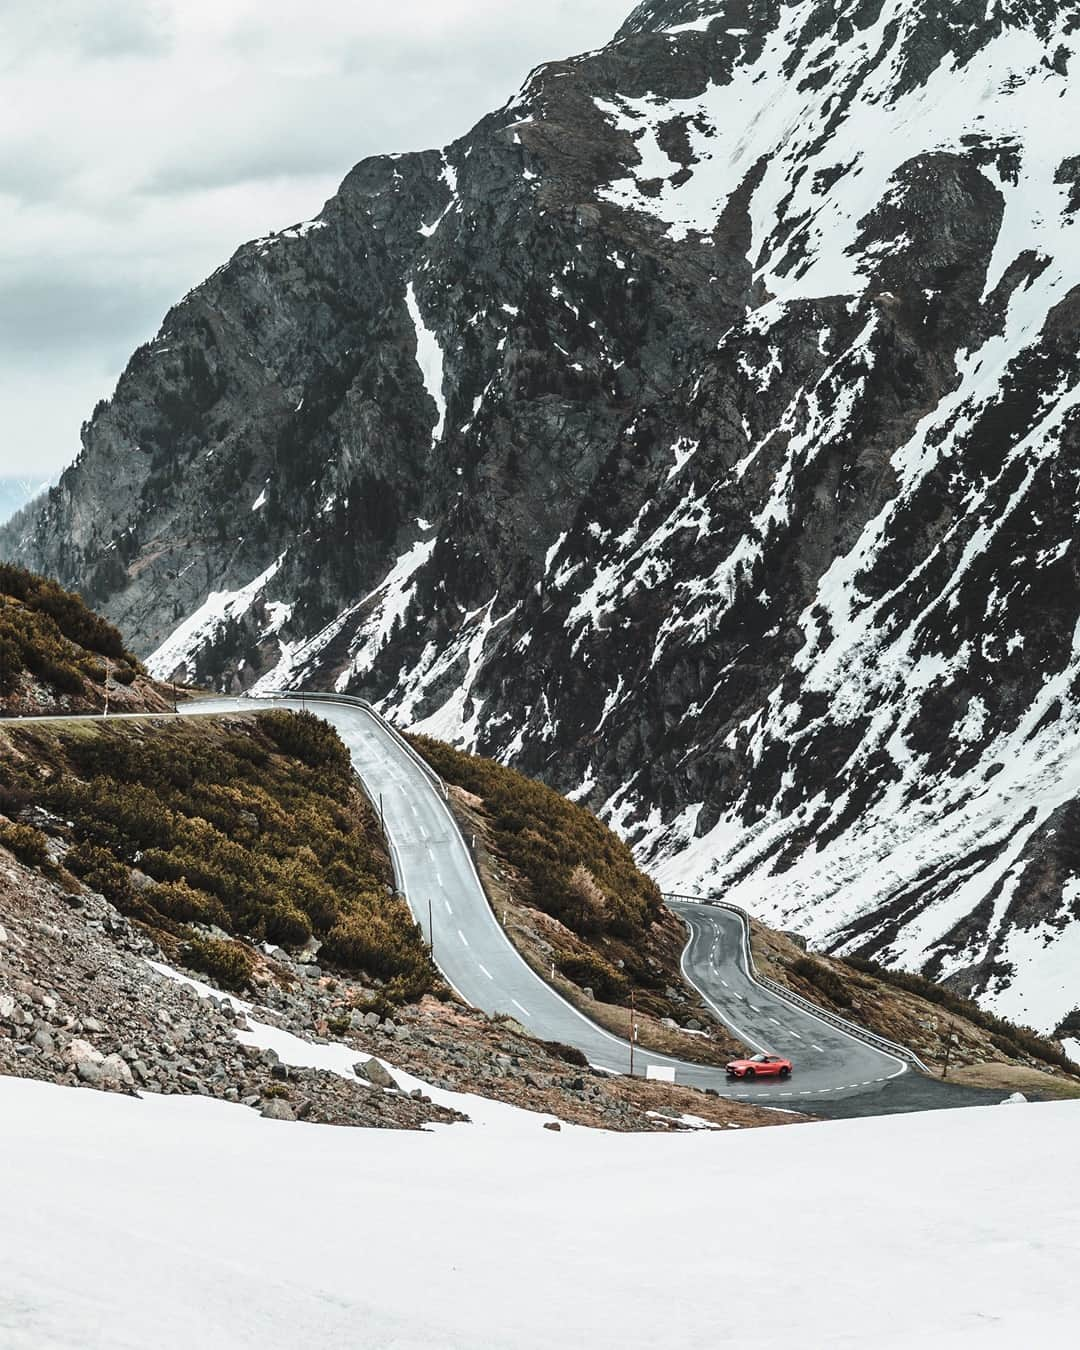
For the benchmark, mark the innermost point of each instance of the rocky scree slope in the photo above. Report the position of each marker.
(87, 999)
(698, 433)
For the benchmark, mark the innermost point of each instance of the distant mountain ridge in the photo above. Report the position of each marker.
(697, 433)
(17, 491)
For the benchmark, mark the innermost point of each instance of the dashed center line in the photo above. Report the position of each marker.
(447, 904)
(724, 983)
(817, 1048)
(518, 1005)
(773, 1021)
(796, 1035)
(462, 936)
(486, 971)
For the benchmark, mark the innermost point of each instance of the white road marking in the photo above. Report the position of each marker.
(796, 1035)
(773, 1021)
(518, 1005)
(737, 995)
(486, 971)
(724, 983)
(438, 878)
(462, 936)
(817, 1048)
(447, 904)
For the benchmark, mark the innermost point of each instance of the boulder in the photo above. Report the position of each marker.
(82, 1052)
(114, 1069)
(375, 1073)
(276, 1109)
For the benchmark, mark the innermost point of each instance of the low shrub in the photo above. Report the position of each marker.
(29, 845)
(570, 864)
(593, 972)
(1070, 1027)
(100, 871)
(824, 979)
(384, 941)
(177, 900)
(307, 738)
(228, 964)
(231, 831)
(1013, 1041)
(49, 633)
(569, 1054)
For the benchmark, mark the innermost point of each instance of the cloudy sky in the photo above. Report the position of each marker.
(143, 140)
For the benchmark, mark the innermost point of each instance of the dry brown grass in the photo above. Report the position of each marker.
(1017, 1078)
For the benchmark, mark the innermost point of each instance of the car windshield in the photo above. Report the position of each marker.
(758, 1059)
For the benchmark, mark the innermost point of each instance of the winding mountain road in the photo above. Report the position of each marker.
(835, 1073)
(436, 873)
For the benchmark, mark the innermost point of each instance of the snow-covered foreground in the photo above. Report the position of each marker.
(185, 1222)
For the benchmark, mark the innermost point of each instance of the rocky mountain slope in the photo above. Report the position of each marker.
(698, 433)
(58, 656)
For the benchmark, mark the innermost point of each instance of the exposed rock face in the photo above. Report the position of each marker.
(698, 432)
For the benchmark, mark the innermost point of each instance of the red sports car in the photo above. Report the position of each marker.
(760, 1066)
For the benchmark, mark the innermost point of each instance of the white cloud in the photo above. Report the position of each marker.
(144, 140)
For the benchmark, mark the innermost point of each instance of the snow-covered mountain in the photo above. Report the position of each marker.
(699, 432)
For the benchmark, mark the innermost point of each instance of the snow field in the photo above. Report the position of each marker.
(179, 1222)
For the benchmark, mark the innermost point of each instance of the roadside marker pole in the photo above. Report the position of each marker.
(631, 1033)
(431, 928)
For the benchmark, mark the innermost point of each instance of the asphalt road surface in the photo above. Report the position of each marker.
(834, 1073)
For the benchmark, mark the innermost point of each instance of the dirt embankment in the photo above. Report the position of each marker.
(953, 1038)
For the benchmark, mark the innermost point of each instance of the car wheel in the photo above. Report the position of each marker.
(750, 1073)
(785, 1073)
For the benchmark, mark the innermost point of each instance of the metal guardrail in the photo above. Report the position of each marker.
(796, 1000)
